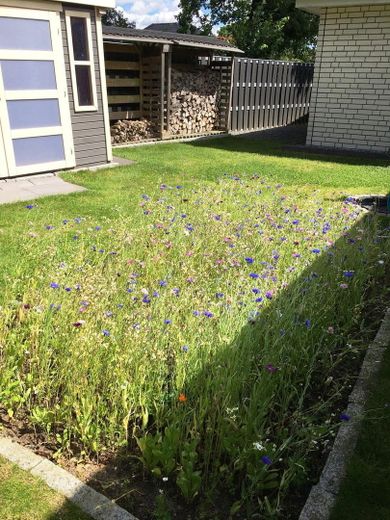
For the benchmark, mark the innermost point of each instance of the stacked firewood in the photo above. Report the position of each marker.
(194, 101)
(126, 131)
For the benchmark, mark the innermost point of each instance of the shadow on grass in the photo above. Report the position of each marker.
(275, 381)
(280, 142)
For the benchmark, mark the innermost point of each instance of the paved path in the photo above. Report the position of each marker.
(33, 187)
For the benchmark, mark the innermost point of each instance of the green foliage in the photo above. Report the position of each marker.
(116, 18)
(262, 29)
(101, 391)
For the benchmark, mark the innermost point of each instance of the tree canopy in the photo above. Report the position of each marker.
(115, 17)
(262, 28)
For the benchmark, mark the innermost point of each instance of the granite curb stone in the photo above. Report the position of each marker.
(323, 495)
(87, 499)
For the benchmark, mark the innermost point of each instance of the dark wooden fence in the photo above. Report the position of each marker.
(269, 94)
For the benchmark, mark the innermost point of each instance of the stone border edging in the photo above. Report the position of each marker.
(323, 495)
(87, 499)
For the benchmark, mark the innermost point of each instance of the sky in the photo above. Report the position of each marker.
(145, 12)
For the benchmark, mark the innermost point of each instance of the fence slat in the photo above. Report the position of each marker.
(269, 93)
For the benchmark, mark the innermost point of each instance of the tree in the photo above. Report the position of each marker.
(261, 28)
(115, 17)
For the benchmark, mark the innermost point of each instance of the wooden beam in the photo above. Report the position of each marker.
(169, 87)
(162, 91)
(123, 82)
(123, 98)
(122, 65)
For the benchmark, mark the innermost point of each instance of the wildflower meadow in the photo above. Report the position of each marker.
(205, 334)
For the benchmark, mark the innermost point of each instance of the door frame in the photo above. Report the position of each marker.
(61, 94)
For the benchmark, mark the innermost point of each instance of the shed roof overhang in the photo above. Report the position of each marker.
(93, 3)
(119, 35)
(315, 6)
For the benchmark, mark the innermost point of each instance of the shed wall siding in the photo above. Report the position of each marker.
(88, 127)
(350, 108)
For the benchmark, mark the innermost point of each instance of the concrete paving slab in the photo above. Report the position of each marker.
(30, 188)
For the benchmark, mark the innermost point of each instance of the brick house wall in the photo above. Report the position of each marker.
(350, 107)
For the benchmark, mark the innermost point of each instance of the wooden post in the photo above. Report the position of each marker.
(169, 87)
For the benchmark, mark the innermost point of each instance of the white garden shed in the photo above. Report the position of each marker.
(53, 101)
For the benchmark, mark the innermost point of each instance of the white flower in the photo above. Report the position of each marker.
(258, 446)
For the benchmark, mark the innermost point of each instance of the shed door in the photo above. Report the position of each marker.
(34, 108)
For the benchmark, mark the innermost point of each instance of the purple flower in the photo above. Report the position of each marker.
(219, 295)
(295, 222)
(308, 324)
(184, 348)
(68, 289)
(155, 294)
(105, 332)
(49, 227)
(97, 228)
(249, 260)
(196, 313)
(145, 299)
(259, 300)
(208, 314)
(30, 206)
(316, 251)
(167, 322)
(271, 368)
(162, 283)
(256, 291)
(345, 417)
(266, 460)
(269, 295)
(54, 285)
(349, 274)
(254, 275)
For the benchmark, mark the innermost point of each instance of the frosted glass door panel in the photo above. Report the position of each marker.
(38, 150)
(24, 34)
(28, 75)
(33, 113)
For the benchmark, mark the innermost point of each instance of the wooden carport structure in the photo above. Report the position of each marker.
(139, 65)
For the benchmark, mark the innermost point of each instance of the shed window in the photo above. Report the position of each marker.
(81, 60)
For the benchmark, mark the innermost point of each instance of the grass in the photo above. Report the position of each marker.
(365, 493)
(173, 308)
(24, 497)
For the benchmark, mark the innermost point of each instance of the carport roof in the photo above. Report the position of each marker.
(184, 40)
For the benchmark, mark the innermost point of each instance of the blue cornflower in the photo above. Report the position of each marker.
(167, 322)
(68, 289)
(345, 417)
(162, 283)
(105, 332)
(184, 348)
(349, 274)
(316, 251)
(254, 275)
(208, 314)
(156, 294)
(49, 227)
(256, 291)
(219, 295)
(54, 285)
(30, 206)
(267, 461)
(259, 300)
(308, 324)
(146, 299)
(195, 313)
(98, 228)
(249, 260)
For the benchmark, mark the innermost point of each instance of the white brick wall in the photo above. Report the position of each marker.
(350, 106)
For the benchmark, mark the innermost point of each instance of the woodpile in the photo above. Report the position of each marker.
(126, 131)
(194, 101)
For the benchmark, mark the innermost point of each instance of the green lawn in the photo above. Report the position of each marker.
(193, 303)
(23, 497)
(365, 494)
